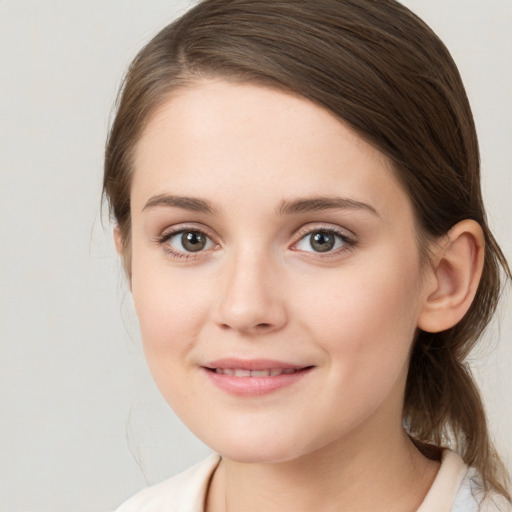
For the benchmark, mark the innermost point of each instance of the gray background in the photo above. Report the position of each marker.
(81, 424)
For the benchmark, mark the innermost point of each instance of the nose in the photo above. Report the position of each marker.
(251, 298)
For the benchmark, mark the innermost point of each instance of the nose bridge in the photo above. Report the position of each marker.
(251, 298)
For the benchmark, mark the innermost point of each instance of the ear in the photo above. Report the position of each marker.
(456, 272)
(118, 240)
(125, 254)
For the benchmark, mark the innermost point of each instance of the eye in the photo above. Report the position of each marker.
(323, 240)
(188, 240)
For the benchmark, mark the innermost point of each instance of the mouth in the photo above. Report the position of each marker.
(240, 372)
(254, 377)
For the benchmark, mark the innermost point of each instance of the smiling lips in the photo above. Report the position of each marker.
(253, 377)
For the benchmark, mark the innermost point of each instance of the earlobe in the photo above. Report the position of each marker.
(456, 273)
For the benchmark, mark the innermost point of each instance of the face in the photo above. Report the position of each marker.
(275, 272)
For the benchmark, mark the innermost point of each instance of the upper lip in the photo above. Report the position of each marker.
(252, 364)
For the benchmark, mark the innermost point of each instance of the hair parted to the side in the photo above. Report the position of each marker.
(383, 72)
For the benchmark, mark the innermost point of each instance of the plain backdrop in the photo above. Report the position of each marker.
(82, 426)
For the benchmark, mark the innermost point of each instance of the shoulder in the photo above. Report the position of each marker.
(471, 497)
(458, 488)
(182, 493)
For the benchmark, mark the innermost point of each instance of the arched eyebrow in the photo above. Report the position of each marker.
(314, 204)
(287, 207)
(192, 204)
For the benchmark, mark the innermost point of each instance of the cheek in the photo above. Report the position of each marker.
(171, 307)
(365, 317)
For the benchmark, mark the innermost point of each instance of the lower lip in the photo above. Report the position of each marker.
(255, 386)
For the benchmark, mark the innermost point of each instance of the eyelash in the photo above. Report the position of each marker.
(179, 255)
(349, 242)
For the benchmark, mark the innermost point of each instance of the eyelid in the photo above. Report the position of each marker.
(313, 227)
(179, 228)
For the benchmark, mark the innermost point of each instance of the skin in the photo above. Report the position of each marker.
(334, 439)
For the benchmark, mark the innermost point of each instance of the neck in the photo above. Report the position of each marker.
(383, 472)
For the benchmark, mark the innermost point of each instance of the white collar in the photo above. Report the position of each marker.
(186, 492)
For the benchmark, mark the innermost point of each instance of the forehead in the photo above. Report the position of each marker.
(235, 141)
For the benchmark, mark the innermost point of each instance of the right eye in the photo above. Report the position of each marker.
(188, 241)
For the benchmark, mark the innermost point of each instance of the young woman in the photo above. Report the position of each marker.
(296, 193)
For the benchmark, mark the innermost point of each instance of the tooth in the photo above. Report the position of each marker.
(238, 372)
(260, 373)
(242, 373)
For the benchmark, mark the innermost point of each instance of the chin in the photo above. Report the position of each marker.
(270, 448)
(258, 454)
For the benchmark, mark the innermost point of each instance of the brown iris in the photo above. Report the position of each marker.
(193, 241)
(322, 241)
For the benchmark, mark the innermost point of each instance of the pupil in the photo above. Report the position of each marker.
(193, 241)
(322, 241)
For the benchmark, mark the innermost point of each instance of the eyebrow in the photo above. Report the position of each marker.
(186, 203)
(314, 204)
(287, 207)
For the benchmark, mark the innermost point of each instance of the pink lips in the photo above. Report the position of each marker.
(254, 377)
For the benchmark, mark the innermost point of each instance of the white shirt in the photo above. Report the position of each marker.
(455, 489)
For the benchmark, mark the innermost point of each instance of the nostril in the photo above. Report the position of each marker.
(263, 326)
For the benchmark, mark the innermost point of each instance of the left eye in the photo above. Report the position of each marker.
(190, 241)
(321, 241)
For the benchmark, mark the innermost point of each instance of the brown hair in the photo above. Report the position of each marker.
(382, 70)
